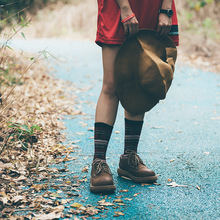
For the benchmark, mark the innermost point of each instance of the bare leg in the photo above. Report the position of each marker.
(107, 106)
(134, 117)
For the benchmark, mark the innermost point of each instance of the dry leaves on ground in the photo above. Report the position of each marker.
(33, 108)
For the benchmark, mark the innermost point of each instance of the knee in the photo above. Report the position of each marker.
(109, 89)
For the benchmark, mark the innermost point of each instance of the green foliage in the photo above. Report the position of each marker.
(207, 23)
(201, 17)
(197, 4)
(7, 78)
(23, 134)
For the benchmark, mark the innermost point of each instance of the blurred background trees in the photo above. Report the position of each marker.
(199, 21)
(200, 16)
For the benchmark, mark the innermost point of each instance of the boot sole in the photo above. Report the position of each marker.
(102, 189)
(147, 179)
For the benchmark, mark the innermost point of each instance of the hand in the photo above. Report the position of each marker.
(164, 25)
(131, 26)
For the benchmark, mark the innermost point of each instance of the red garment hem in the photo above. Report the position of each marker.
(99, 41)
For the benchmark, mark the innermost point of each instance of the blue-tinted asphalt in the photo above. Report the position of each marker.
(180, 138)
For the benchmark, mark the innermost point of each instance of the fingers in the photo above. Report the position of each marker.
(131, 27)
(164, 25)
(163, 30)
(126, 28)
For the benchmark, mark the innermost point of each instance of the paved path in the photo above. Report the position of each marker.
(180, 138)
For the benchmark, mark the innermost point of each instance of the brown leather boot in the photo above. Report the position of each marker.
(132, 166)
(101, 177)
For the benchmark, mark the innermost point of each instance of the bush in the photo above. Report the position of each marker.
(9, 7)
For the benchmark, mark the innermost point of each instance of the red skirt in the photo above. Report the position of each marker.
(110, 29)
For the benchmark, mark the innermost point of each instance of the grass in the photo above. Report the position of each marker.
(19, 124)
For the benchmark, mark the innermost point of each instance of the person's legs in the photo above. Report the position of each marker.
(106, 111)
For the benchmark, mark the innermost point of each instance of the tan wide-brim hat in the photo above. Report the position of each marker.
(144, 69)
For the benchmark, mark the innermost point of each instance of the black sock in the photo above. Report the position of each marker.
(101, 138)
(132, 134)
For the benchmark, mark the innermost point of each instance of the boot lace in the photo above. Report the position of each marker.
(100, 165)
(134, 159)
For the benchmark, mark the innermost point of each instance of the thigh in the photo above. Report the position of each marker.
(109, 53)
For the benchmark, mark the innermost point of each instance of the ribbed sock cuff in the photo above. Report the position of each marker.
(104, 126)
(134, 123)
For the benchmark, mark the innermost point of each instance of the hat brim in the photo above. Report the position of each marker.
(131, 95)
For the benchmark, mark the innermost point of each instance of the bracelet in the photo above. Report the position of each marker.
(128, 18)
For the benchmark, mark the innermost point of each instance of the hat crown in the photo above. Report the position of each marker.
(156, 66)
(144, 69)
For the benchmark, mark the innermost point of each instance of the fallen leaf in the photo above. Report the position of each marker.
(59, 208)
(20, 178)
(76, 141)
(74, 211)
(54, 195)
(85, 169)
(118, 201)
(136, 194)
(17, 199)
(146, 184)
(76, 205)
(64, 201)
(124, 177)
(52, 215)
(158, 184)
(70, 194)
(79, 133)
(157, 127)
(124, 190)
(4, 200)
(68, 182)
(104, 203)
(90, 211)
(55, 187)
(128, 199)
(206, 152)
(91, 129)
(174, 184)
(215, 118)
(117, 214)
